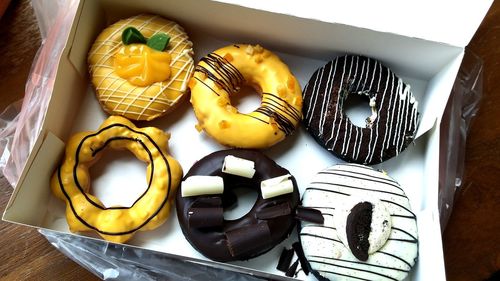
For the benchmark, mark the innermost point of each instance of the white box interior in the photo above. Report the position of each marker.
(304, 44)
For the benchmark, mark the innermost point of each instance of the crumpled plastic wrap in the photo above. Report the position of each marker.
(21, 123)
(20, 131)
(461, 108)
(115, 262)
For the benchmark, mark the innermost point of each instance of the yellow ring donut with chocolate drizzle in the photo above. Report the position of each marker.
(135, 79)
(221, 74)
(84, 212)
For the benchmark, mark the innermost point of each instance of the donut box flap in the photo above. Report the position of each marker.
(450, 22)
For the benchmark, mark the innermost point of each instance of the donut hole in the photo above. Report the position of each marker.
(238, 201)
(247, 99)
(118, 178)
(357, 108)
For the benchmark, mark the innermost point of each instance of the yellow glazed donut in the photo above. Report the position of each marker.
(221, 74)
(161, 77)
(84, 212)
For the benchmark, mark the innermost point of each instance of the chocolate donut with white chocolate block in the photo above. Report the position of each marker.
(208, 188)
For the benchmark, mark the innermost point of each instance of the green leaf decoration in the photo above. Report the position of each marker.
(131, 35)
(158, 41)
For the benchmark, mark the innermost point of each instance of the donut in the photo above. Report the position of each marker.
(369, 231)
(71, 181)
(135, 80)
(268, 223)
(220, 75)
(390, 128)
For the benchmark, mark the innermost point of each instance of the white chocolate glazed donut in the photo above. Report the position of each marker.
(117, 95)
(328, 256)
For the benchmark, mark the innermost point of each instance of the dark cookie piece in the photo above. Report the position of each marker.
(358, 229)
(390, 128)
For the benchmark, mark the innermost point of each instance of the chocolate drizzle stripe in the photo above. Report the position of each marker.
(363, 263)
(319, 236)
(327, 190)
(379, 179)
(283, 123)
(403, 240)
(405, 232)
(207, 86)
(290, 110)
(356, 269)
(403, 216)
(399, 205)
(77, 153)
(396, 257)
(271, 106)
(361, 188)
(230, 77)
(94, 152)
(340, 274)
(81, 190)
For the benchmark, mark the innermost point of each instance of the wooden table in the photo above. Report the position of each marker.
(471, 240)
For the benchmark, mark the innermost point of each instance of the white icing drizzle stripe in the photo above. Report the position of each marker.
(328, 91)
(339, 101)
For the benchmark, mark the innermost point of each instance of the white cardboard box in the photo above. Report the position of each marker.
(422, 42)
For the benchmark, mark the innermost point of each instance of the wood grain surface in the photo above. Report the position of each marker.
(471, 240)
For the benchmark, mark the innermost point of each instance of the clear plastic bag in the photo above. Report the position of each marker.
(115, 262)
(20, 131)
(20, 125)
(462, 107)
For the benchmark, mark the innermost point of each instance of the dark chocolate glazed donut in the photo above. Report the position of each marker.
(389, 130)
(268, 223)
